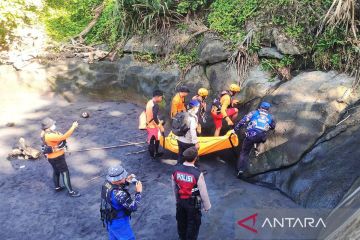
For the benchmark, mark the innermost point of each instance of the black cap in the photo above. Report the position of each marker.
(157, 93)
(184, 89)
(190, 154)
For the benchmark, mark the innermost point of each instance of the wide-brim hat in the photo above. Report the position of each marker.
(116, 173)
(47, 123)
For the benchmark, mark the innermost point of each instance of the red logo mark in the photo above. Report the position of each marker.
(242, 223)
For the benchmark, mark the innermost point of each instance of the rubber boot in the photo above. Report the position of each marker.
(157, 153)
(151, 148)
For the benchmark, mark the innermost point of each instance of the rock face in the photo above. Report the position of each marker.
(195, 79)
(327, 171)
(212, 51)
(286, 45)
(303, 108)
(258, 84)
(270, 53)
(221, 76)
(139, 44)
(145, 79)
(344, 220)
(125, 74)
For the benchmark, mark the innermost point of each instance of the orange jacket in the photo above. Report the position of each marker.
(177, 105)
(53, 139)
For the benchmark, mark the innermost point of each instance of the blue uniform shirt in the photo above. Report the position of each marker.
(121, 201)
(257, 121)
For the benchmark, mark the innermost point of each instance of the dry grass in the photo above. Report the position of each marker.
(341, 13)
(241, 59)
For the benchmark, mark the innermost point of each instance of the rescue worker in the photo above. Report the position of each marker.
(200, 97)
(191, 196)
(258, 123)
(56, 142)
(223, 108)
(153, 125)
(116, 195)
(190, 139)
(178, 101)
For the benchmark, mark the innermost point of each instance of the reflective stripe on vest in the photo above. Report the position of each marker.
(260, 121)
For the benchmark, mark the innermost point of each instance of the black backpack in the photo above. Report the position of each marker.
(180, 124)
(107, 212)
(217, 102)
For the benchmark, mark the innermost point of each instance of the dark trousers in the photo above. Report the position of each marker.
(188, 220)
(153, 146)
(182, 148)
(60, 168)
(247, 145)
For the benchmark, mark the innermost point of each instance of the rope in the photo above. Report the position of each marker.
(108, 147)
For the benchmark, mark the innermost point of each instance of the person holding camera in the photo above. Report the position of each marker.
(116, 203)
(191, 195)
(54, 145)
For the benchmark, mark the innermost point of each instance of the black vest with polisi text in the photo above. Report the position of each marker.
(186, 179)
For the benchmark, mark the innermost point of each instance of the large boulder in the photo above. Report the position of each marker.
(270, 53)
(141, 44)
(327, 171)
(221, 75)
(212, 51)
(195, 79)
(287, 45)
(303, 108)
(258, 84)
(344, 221)
(144, 79)
(78, 76)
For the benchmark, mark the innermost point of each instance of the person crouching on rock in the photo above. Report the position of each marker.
(223, 108)
(191, 193)
(153, 125)
(55, 143)
(258, 123)
(117, 204)
(190, 138)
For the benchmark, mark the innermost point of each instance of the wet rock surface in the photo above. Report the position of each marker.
(303, 108)
(345, 218)
(327, 171)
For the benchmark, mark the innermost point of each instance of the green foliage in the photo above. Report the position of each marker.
(272, 65)
(278, 20)
(13, 14)
(228, 16)
(332, 50)
(294, 31)
(106, 29)
(186, 6)
(145, 57)
(186, 59)
(66, 18)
